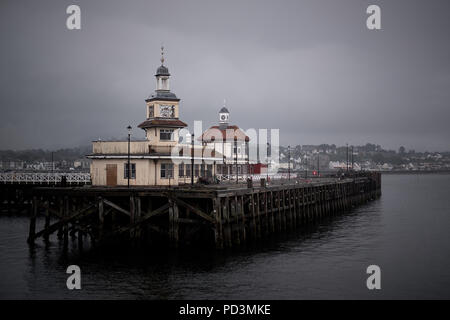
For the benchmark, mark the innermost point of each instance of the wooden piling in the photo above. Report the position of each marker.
(34, 212)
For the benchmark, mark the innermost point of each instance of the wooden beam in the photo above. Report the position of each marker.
(192, 208)
(52, 228)
(115, 206)
(147, 216)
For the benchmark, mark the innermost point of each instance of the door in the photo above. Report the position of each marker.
(111, 175)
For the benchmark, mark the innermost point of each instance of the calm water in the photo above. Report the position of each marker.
(406, 233)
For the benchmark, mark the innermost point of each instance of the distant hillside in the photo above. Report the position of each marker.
(69, 154)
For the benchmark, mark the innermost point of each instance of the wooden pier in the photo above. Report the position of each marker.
(223, 216)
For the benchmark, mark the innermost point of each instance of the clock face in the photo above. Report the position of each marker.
(223, 117)
(166, 111)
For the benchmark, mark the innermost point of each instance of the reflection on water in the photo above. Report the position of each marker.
(405, 233)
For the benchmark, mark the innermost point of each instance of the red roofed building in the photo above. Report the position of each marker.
(231, 142)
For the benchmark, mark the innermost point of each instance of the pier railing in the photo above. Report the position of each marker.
(45, 178)
(255, 177)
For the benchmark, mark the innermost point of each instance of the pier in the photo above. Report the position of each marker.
(222, 215)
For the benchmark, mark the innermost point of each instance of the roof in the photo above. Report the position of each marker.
(233, 133)
(162, 71)
(172, 123)
(162, 95)
(224, 110)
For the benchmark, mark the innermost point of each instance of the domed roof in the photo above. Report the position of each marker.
(162, 71)
(224, 110)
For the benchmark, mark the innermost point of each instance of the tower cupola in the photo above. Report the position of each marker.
(224, 117)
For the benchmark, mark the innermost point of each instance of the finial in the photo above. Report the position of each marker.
(224, 103)
(162, 55)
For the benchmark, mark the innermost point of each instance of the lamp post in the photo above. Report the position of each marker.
(248, 157)
(318, 165)
(129, 166)
(347, 157)
(306, 166)
(267, 162)
(352, 158)
(289, 162)
(236, 159)
(192, 159)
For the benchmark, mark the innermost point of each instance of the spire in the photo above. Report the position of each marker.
(162, 69)
(224, 108)
(162, 55)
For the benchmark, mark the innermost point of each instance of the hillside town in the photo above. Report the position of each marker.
(323, 157)
(368, 157)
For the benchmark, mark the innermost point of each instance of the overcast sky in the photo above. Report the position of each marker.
(310, 68)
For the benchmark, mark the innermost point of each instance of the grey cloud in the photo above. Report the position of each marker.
(310, 68)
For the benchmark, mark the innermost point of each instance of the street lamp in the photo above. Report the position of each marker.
(129, 166)
(352, 158)
(347, 157)
(236, 159)
(289, 162)
(192, 159)
(318, 165)
(267, 162)
(306, 166)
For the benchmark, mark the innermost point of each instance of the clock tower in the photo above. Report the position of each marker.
(162, 123)
(224, 118)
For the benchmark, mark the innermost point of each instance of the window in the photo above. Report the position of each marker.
(151, 112)
(167, 111)
(181, 170)
(166, 170)
(202, 169)
(196, 170)
(166, 134)
(188, 170)
(209, 168)
(133, 171)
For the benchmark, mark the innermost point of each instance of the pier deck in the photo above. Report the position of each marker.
(223, 216)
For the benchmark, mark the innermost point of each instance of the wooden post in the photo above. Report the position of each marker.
(176, 225)
(47, 221)
(173, 223)
(242, 213)
(101, 218)
(132, 232)
(34, 211)
(309, 204)
(272, 208)
(320, 202)
(258, 216)
(226, 215)
(291, 220)
(278, 218)
(138, 216)
(266, 214)
(283, 214)
(66, 225)
(236, 226)
(61, 215)
(253, 212)
(218, 234)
